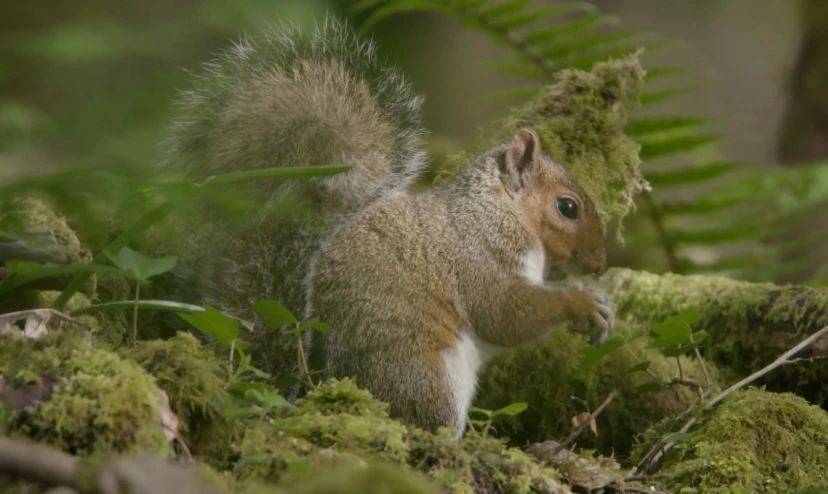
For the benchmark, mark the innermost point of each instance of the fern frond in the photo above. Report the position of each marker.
(692, 175)
(643, 126)
(659, 148)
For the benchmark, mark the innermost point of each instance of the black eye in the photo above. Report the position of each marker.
(568, 208)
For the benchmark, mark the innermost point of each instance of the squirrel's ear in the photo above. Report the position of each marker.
(519, 159)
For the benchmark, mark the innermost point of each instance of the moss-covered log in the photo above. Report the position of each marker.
(750, 324)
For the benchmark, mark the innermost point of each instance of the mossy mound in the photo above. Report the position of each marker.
(755, 441)
(81, 399)
(188, 372)
(544, 376)
(339, 423)
(580, 120)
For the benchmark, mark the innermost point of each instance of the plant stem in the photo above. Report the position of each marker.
(303, 364)
(230, 361)
(135, 314)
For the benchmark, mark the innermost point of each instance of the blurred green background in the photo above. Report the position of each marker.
(91, 82)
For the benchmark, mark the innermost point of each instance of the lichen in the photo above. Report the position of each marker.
(754, 441)
(100, 402)
(543, 375)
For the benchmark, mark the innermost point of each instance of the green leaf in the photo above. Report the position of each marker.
(690, 316)
(735, 233)
(592, 355)
(582, 44)
(692, 174)
(316, 325)
(24, 272)
(213, 322)
(639, 367)
(655, 73)
(482, 411)
(648, 98)
(648, 387)
(274, 314)
(702, 205)
(641, 126)
(522, 19)
(502, 8)
(143, 267)
(511, 410)
(402, 6)
(674, 145)
(584, 23)
(164, 305)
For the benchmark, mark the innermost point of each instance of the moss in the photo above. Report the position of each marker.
(754, 441)
(100, 402)
(543, 376)
(338, 424)
(750, 324)
(190, 375)
(580, 119)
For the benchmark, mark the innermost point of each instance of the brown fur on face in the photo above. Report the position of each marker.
(571, 246)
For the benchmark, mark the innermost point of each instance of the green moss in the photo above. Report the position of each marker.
(188, 372)
(543, 375)
(338, 424)
(754, 441)
(100, 403)
(580, 120)
(750, 324)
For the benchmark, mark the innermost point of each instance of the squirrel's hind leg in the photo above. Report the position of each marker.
(417, 388)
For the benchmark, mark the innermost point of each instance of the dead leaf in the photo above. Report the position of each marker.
(579, 419)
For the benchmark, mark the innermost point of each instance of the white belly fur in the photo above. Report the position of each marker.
(463, 363)
(470, 353)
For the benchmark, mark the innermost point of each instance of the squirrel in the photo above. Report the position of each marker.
(420, 289)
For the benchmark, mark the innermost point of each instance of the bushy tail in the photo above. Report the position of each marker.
(289, 99)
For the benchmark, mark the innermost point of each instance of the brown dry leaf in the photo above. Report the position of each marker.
(169, 421)
(579, 419)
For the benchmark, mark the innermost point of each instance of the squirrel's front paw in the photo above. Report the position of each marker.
(595, 315)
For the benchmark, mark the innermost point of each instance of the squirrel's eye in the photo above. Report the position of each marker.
(568, 208)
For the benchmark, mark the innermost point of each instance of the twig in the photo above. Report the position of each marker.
(574, 434)
(36, 463)
(773, 365)
(808, 360)
(782, 360)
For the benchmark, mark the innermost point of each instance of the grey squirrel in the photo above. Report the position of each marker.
(420, 289)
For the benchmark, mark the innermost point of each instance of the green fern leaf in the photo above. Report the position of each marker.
(653, 97)
(507, 7)
(522, 19)
(674, 145)
(712, 204)
(583, 24)
(715, 236)
(639, 127)
(402, 6)
(656, 73)
(582, 44)
(692, 174)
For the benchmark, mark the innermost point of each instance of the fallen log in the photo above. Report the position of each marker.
(750, 324)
